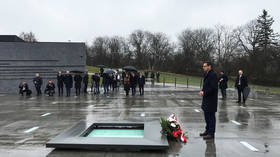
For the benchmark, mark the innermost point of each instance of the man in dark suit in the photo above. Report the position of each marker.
(78, 83)
(210, 100)
(223, 84)
(240, 83)
(60, 80)
(141, 83)
(68, 81)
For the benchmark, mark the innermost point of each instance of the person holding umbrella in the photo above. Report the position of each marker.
(97, 83)
(133, 83)
(105, 83)
(85, 81)
(107, 79)
(126, 81)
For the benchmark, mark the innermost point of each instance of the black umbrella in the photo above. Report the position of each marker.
(129, 68)
(110, 71)
(246, 91)
(101, 66)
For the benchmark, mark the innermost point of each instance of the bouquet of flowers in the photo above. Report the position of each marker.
(172, 128)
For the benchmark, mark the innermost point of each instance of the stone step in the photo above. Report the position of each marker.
(26, 69)
(27, 74)
(26, 78)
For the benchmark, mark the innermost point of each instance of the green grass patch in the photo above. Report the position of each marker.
(194, 80)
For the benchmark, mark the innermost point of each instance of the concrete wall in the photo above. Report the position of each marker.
(19, 61)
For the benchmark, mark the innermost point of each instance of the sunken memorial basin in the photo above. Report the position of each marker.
(118, 136)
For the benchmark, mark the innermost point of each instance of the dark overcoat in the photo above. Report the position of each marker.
(210, 90)
(68, 81)
(78, 81)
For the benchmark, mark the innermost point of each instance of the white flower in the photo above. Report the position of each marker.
(173, 125)
(171, 119)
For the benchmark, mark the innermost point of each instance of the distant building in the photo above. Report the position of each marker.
(19, 61)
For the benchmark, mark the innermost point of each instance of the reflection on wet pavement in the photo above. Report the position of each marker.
(28, 123)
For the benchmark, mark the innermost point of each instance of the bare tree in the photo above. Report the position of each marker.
(247, 36)
(226, 45)
(28, 36)
(159, 47)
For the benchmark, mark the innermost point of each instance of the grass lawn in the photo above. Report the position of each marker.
(193, 80)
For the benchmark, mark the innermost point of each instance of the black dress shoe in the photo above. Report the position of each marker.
(208, 137)
(203, 134)
(238, 102)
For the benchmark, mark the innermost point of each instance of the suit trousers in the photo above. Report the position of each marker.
(210, 119)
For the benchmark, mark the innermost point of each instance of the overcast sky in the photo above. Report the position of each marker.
(83, 20)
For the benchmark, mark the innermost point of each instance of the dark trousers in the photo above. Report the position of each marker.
(68, 91)
(85, 87)
(96, 88)
(78, 91)
(224, 92)
(240, 91)
(126, 92)
(126, 88)
(210, 120)
(106, 88)
(60, 90)
(114, 85)
(133, 90)
(141, 90)
(38, 90)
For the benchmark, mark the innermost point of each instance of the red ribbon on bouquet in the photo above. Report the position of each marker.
(180, 133)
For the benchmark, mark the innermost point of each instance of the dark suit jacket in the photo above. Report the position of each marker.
(243, 80)
(141, 81)
(210, 89)
(37, 81)
(223, 84)
(78, 80)
(60, 80)
(68, 81)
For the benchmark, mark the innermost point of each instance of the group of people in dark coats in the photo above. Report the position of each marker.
(152, 77)
(131, 80)
(209, 94)
(62, 80)
(110, 81)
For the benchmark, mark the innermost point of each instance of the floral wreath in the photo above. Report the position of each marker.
(172, 128)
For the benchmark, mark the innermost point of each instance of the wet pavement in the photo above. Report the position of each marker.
(250, 130)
